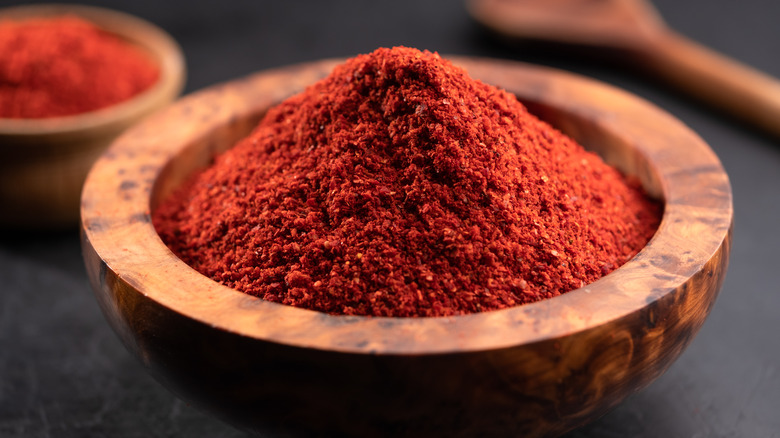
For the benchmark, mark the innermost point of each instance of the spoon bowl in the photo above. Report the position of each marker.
(621, 24)
(632, 32)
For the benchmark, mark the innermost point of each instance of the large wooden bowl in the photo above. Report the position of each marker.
(45, 161)
(539, 369)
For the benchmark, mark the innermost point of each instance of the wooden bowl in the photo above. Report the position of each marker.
(45, 161)
(534, 370)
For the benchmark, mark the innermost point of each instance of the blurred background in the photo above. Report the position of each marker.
(63, 372)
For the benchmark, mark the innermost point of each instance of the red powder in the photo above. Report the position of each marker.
(64, 66)
(399, 186)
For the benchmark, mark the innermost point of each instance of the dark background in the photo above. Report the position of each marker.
(63, 372)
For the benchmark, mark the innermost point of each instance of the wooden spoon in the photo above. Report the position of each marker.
(635, 28)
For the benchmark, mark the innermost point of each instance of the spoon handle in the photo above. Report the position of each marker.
(740, 90)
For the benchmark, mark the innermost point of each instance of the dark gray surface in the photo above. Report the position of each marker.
(63, 373)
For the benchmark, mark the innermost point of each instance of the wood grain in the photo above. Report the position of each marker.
(46, 160)
(632, 32)
(535, 370)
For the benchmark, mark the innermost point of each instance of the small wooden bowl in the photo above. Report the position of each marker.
(534, 370)
(45, 161)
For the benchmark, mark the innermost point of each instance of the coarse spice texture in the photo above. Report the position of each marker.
(63, 66)
(399, 186)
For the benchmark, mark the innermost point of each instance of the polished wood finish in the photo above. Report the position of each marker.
(637, 34)
(45, 161)
(534, 370)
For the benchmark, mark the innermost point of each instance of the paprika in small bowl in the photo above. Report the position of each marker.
(537, 369)
(105, 70)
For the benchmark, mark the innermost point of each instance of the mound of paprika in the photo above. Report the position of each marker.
(399, 186)
(63, 66)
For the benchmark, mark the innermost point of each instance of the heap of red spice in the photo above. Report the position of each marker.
(399, 186)
(63, 66)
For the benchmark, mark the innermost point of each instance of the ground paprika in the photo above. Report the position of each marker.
(399, 186)
(65, 65)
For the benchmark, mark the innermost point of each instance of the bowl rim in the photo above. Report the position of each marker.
(134, 29)
(695, 227)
